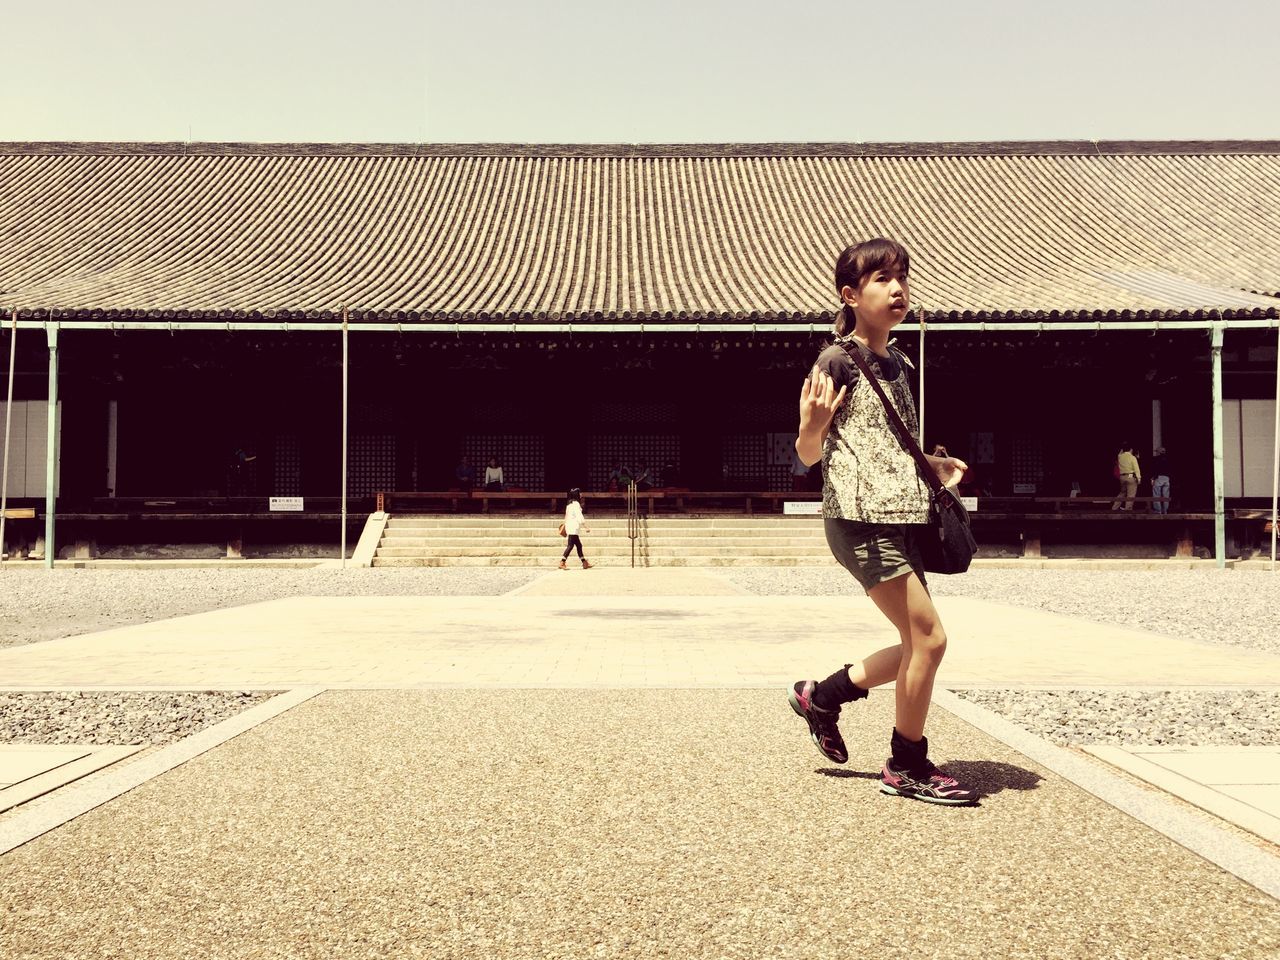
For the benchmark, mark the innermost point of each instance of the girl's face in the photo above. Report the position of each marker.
(882, 298)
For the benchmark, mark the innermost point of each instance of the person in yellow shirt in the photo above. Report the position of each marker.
(1129, 474)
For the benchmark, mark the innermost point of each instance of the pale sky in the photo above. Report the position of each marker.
(644, 71)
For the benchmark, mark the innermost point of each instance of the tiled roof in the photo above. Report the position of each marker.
(589, 233)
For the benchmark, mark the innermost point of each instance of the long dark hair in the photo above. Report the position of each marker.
(575, 495)
(853, 265)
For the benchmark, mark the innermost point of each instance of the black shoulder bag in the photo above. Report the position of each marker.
(947, 544)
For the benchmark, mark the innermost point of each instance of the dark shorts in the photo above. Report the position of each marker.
(874, 552)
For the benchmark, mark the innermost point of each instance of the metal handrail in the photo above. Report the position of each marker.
(633, 518)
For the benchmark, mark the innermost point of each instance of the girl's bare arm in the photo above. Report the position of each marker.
(818, 404)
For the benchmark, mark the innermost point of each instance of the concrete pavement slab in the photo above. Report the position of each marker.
(85, 761)
(21, 761)
(1238, 784)
(605, 641)
(1220, 766)
(1265, 797)
(636, 823)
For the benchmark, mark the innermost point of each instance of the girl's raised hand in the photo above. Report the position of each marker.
(819, 401)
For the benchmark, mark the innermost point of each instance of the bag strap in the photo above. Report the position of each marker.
(904, 435)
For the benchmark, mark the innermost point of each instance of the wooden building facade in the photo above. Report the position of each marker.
(560, 307)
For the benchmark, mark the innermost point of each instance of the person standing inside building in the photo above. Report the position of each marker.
(1160, 481)
(574, 526)
(1129, 475)
(873, 505)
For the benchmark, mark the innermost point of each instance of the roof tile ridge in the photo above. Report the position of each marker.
(651, 150)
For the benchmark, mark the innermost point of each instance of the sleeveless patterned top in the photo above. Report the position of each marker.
(867, 475)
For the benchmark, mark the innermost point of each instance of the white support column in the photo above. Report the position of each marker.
(1275, 460)
(1219, 521)
(343, 546)
(8, 432)
(51, 450)
(920, 375)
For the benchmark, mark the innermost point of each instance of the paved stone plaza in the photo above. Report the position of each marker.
(606, 766)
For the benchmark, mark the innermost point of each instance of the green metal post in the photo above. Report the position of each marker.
(51, 450)
(1219, 521)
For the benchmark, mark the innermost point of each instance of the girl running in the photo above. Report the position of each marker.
(574, 524)
(873, 501)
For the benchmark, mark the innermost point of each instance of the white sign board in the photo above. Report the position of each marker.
(286, 503)
(812, 508)
(1024, 488)
(969, 503)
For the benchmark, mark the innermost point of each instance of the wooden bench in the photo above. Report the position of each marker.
(1031, 525)
(1030, 515)
(773, 498)
(231, 514)
(553, 499)
(678, 497)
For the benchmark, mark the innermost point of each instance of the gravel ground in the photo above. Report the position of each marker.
(35, 605)
(116, 718)
(1164, 718)
(1234, 607)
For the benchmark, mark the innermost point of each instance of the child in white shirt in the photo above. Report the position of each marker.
(574, 525)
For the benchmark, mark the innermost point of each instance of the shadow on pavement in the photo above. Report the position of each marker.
(989, 777)
(985, 776)
(848, 774)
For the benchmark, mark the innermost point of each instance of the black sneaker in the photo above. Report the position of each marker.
(822, 723)
(927, 783)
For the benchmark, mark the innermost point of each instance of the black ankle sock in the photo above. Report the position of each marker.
(908, 754)
(836, 690)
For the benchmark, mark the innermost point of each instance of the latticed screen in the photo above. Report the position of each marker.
(658, 453)
(746, 463)
(371, 464)
(523, 459)
(286, 474)
(749, 458)
(1026, 459)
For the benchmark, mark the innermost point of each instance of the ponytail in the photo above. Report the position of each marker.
(845, 321)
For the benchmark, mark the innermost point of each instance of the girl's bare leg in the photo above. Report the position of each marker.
(909, 607)
(879, 668)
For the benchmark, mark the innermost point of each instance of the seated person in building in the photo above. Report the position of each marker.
(464, 475)
(619, 477)
(493, 476)
(644, 477)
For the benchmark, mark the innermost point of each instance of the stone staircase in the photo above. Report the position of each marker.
(432, 541)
